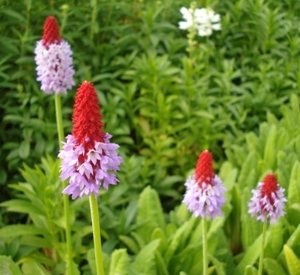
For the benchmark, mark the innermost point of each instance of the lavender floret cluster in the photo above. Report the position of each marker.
(206, 200)
(88, 171)
(263, 208)
(54, 67)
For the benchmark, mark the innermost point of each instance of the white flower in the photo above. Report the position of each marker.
(187, 15)
(203, 20)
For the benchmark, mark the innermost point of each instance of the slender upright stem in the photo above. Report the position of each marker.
(204, 245)
(60, 130)
(94, 17)
(96, 233)
(262, 249)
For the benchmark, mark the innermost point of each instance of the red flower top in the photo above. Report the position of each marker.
(51, 31)
(269, 186)
(204, 169)
(87, 124)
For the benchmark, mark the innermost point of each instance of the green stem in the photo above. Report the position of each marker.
(60, 131)
(204, 243)
(96, 234)
(94, 16)
(262, 249)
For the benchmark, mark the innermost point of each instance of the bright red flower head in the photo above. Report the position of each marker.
(204, 169)
(269, 186)
(87, 124)
(51, 31)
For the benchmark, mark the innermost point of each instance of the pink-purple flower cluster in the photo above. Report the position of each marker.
(267, 200)
(88, 170)
(206, 200)
(205, 193)
(53, 57)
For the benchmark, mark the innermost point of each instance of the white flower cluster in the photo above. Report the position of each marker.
(203, 20)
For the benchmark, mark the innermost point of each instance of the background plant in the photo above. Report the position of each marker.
(237, 94)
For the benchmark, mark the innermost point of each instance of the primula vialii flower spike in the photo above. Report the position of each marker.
(53, 57)
(267, 200)
(88, 156)
(205, 193)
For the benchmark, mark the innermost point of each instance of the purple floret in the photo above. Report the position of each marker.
(206, 200)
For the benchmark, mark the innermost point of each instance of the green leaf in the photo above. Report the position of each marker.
(215, 225)
(274, 246)
(20, 230)
(22, 206)
(250, 256)
(294, 213)
(179, 239)
(91, 261)
(144, 262)
(131, 244)
(250, 227)
(294, 239)
(149, 214)
(292, 242)
(293, 263)
(158, 234)
(294, 187)
(250, 270)
(8, 267)
(24, 149)
(270, 150)
(160, 264)
(248, 168)
(119, 262)
(32, 267)
(219, 266)
(273, 267)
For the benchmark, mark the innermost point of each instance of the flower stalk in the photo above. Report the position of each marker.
(96, 234)
(262, 249)
(204, 247)
(60, 130)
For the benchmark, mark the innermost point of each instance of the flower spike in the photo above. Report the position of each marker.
(53, 57)
(88, 156)
(268, 200)
(204, 195)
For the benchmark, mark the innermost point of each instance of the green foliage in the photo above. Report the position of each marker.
(119, 262)
(293, 263)
(7, 266)
(235, 93)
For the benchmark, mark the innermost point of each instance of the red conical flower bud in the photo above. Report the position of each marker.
(204, 169)
(87, 124)
(269, 186)
(51, 31)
